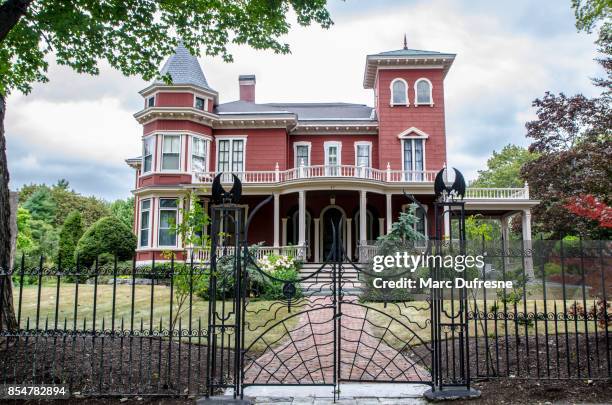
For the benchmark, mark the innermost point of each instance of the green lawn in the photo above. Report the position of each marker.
(143, 316)
(410, 313)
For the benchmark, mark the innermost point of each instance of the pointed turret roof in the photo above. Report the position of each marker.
(184, 69)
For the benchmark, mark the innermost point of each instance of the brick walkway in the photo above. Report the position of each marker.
(306, 354)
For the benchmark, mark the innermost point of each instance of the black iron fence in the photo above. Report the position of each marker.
(141, 329)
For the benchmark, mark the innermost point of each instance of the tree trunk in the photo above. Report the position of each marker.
(7, 310)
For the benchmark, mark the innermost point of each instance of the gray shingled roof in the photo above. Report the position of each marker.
(304, 111)
(412, 52)
(184, 68)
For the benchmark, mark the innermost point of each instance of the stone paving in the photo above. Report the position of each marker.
(306, 354)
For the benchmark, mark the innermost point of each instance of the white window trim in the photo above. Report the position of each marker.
(410, 139)
(295, 157)
(413, 133)
(369, 145)
(140, 211)
(327, 145)
(229, 138)
(206, 151)
(159, 210)
(416, 98)
(391, 103)
(180, 153)
(154, 97)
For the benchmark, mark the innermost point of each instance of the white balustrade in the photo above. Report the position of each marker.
(297, 174)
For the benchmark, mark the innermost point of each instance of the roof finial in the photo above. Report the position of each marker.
(405, 42)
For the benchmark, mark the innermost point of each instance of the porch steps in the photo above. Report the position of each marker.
(321, 283)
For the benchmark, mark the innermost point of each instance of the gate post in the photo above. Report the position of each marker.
(450, 371)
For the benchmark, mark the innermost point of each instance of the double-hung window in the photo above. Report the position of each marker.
(302, 158)
(399, 92)
(363, 158)
(171, 152)
(230, 155)
(332, 158)
(198, 154)
(147, 154)
(151, 102)
(145, 222)
(168, 213)
(413, 150)
(423, 92)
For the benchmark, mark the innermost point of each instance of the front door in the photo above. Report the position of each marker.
(332, 215)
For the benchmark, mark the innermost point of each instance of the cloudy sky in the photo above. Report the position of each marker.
(81, 128)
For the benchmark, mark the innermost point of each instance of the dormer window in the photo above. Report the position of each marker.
(422, 89)
(399, 92)
(200, 103)
(151, 101)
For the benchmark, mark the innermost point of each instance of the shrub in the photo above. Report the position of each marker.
(107, 235)
(69, 236)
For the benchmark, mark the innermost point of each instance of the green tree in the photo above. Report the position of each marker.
(45, 238)
(133, 37)
(123, 210)
(41, 206)
(25, 243)
(504, 168)
(69, 236)
(107, 235)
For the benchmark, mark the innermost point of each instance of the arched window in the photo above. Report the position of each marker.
(399, 92)
(422, 89)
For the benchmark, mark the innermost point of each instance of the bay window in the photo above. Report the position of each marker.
(145, 223)
(148, 146)
(171, 152)
(198, 154)
(168, 214)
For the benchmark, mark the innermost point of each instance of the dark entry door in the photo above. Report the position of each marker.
(332, 215)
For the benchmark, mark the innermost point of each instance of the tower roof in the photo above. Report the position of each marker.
(405, 57)
(184, 69)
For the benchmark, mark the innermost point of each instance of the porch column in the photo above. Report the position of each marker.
(316, 239)
(284, 231)
(381, 226)
(363, 216)
(302, 218)
(505, 237)
(446, 218)
(388, 212)
(349, 237)
(205, 227)
(527, 243)
(276, 219)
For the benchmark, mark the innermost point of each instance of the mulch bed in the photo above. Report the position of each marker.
(517, 382)
(139, 366)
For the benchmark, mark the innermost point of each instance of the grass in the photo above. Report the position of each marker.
(417, 312)
(145, 315)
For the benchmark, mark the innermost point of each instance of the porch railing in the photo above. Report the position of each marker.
(357, 172)
(298, 252)
(322, 171)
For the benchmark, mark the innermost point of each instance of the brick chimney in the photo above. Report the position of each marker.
(247, 88)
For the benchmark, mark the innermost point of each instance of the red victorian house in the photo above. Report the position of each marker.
(319, 160)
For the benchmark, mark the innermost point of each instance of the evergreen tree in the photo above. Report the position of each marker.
(69, 236)
(41, 206)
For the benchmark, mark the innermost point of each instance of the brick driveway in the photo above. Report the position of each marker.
(305, 355)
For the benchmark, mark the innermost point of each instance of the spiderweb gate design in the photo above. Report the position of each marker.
(322, 334)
